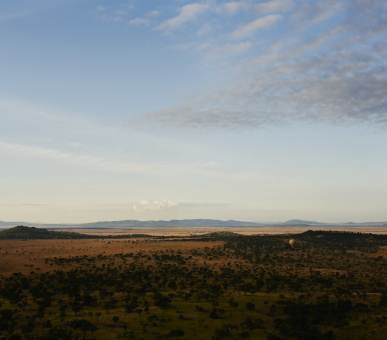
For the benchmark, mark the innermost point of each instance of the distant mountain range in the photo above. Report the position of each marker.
(9, 224)
(171, 223)
(191, 223)
(301, 222)
(140, 224)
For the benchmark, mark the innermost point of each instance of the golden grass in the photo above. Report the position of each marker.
(27, 255)
(187, 231)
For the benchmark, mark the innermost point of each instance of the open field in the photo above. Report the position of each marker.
(187, 231)
(30, 255)
(331, 285)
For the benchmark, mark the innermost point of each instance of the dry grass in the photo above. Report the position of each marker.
(28, 255)
(37, 256)
(187, 231)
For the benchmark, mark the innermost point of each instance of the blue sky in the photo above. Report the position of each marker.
(247, 110)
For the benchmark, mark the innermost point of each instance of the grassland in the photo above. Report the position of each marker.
(331, 285)
(197, 231)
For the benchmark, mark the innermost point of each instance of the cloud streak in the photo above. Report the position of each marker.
(86, 161)
(109, 165)
(256, 25)
(275, 6)
(187, 13)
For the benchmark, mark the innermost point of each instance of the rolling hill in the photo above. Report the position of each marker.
(22, 232)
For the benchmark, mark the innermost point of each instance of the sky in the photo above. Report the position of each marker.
(155, 110)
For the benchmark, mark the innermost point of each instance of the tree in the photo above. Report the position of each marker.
(250, 306)
(162, 301)
(175, 333)
(84, 325)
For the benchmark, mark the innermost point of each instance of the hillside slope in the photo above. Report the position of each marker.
(22, 232)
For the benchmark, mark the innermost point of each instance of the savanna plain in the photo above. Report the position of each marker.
(182, 283)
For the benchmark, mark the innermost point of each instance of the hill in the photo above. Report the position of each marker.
(220, 235)
(22, 232)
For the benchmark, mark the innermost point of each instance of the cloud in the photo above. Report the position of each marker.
(308, 15)
(110, 165)
(336, 74)
(149, 207)
(209, 164)
(205, 29)
(275, 6)
(325, 89)
(187, 13)
(217, 52)
(146, 21)
(202, 205)
(87, 161)
(152, 205)
(28, 110)
(112, 15)
(230, 7)
(256, 25)
(152, 14)
(140, 22)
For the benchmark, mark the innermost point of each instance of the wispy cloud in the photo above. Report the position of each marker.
(337, 73)
(111, 165)
(275, 6)
(230, 8)
(113, 15)
(145, 21)
(187, 14)
(202, 205)
(87, 161)
(256, 25)
(152, 205)
(208, 21)
(214, 51)
(146, 208)
(140, 22)
(12, 107)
